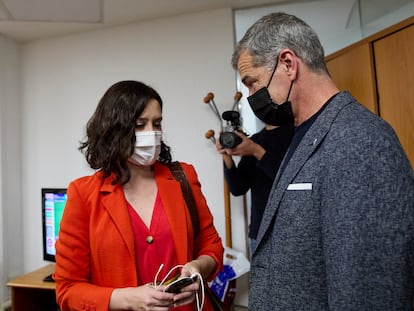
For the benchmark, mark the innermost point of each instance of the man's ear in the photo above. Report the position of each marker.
(289, 63)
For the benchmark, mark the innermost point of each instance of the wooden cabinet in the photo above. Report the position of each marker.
(395, 79)
(31, 293)
(353, 70)
(379, 72)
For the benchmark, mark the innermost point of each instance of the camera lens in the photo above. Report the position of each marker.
(229, 140)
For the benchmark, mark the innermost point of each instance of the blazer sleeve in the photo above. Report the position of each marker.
(367, 223)
(72, 273)
(208, 241)
(239, 178)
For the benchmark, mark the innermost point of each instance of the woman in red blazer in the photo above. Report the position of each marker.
(127, 225)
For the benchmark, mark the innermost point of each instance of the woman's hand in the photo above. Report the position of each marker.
(203, 266)
(144, 297)
(187, 294)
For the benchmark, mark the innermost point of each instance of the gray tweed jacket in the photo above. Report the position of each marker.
(338, 229)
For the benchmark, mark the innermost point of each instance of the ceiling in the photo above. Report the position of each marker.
(26, 20)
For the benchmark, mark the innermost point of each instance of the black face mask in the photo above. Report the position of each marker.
(267, 110)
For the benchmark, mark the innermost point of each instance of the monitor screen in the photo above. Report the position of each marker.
(53, 204)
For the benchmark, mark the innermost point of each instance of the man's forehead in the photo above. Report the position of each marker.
(245, 61)
(245, 65)
(248, 71)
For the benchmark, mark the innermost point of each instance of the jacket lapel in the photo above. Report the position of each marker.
(171, 197)
(303, 152)
(114, 202)
(170, 192)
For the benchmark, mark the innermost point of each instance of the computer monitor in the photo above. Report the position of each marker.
(53, 204)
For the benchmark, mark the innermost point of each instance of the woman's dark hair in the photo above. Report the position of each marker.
(110, 132)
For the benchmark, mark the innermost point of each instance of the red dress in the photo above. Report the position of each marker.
(154, 246)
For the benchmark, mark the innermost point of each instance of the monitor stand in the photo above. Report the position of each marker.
(48, 278)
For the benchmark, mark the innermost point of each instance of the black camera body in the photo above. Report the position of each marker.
(228, 138)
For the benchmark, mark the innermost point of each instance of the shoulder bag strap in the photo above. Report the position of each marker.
(179, 174)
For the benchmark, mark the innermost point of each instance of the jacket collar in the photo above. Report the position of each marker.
(309, 143)
(170, 193)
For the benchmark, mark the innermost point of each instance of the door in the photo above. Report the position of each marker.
(395, 82)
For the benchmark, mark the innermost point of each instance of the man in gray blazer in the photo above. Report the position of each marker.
(338, 229)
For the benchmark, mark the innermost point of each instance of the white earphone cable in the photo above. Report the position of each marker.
(158, 285)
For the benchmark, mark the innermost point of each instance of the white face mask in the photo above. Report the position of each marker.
(147, 147)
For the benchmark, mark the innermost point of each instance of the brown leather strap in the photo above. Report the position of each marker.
(179, 174)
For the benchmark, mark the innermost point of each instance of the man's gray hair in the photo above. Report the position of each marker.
(267, 37)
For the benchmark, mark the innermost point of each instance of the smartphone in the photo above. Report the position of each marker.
(176, 286)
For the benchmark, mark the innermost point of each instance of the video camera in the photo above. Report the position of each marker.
(228, 138)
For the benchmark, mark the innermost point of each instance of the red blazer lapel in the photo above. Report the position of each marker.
(112, 202)
(171, 196)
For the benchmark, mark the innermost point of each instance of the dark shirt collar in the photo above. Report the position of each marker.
(301, 130)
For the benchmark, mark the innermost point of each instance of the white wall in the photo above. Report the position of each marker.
(11, 231)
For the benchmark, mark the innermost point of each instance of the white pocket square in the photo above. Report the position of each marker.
(300, 186)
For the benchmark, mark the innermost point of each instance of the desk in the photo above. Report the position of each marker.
(30, 293)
